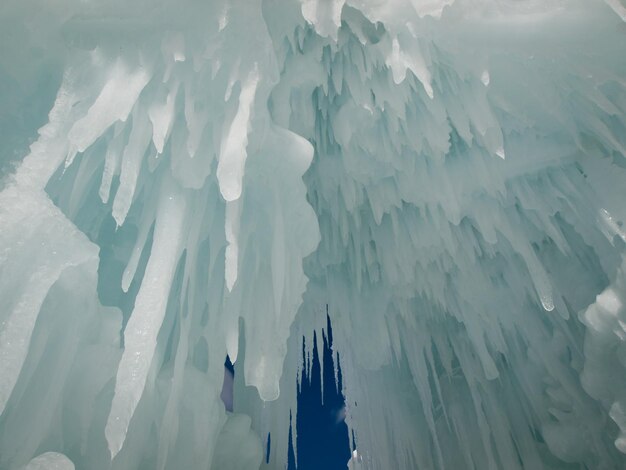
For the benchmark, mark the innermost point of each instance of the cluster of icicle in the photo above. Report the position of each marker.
(448, 176)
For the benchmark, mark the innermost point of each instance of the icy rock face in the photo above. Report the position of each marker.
(448, 175)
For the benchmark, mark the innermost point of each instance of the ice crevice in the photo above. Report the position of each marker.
(447, 176)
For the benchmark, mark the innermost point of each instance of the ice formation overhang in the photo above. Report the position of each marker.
(447, 175)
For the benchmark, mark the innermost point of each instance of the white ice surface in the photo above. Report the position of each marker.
(447, 175)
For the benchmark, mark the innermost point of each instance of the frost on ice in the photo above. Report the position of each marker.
(449, 176)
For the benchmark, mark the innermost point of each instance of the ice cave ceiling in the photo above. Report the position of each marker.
(182, 180)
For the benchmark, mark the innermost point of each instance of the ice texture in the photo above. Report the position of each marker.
(50, 461)
(186, 180)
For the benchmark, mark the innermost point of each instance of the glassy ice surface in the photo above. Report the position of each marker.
(186, 180)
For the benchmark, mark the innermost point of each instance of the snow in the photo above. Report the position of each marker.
(448, 176)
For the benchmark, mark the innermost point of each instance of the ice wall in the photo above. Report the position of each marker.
(447, 175)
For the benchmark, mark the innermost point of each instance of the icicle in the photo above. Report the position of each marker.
(141, 331)
(233, 153)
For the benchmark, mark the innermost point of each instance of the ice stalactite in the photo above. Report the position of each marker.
(151, 156)
(447, 175)
(455, 191)
(604, 349)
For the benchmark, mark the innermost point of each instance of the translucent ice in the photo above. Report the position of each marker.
(447, 175)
